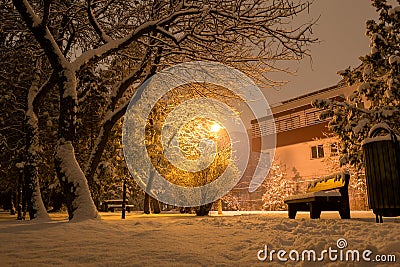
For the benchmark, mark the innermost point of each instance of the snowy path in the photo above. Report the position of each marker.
(184, 240)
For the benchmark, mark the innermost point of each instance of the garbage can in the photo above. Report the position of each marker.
(382, 171)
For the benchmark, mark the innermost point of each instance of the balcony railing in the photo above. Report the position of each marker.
(287, 122)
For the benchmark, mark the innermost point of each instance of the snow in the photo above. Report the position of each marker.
(35, 19)
(382, 125)
(393, 10)
(84, 205)
(387, 137)
(394, 59)
(70, 83)
(41, 214)
(20, 165)
(364, 87)
(366, 71)
(232, 239)
(374, 50)
(377, 36)
(378, 138)
(388, 112)
(101, 51)
(361, 125)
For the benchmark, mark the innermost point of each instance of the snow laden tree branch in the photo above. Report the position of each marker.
(376, 81)
(150, 35)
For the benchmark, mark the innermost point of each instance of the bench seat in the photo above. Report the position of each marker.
(311, 195)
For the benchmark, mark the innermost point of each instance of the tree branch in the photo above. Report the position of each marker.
(42, 35)
(94, 55)
(46, 12)
(43, 90)
(95, 24)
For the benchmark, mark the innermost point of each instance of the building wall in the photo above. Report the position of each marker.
(298, 156)
(298, 128)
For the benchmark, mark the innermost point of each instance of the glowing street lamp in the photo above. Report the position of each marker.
(215, 128)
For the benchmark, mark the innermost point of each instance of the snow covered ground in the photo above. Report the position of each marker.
(233, 239)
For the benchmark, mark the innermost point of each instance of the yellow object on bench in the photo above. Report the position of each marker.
(328, 183)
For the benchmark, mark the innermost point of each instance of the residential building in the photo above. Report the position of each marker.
(303, 143)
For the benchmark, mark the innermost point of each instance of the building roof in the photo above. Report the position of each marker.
(338, 90)
(296, 120)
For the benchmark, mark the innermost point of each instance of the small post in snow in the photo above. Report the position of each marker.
(124, 199)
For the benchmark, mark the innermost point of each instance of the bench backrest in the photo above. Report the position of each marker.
(331, 182)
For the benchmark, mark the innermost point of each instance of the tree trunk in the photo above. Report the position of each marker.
(19, 196)
(35, 206)
(146, 207)
(156, 205)
(149, 200)
(12, 204)
(203, 210)
(79, 202)
(73, 182)
(219, 206)
(151, 204)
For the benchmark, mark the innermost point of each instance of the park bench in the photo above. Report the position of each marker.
(327, 194)
(114, 204)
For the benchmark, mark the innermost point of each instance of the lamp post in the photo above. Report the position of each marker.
(123, 199)
(20, 187)
(120, 157)
(215, 128)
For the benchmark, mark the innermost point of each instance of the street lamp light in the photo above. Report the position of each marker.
(215, 127)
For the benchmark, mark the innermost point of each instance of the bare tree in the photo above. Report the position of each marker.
(246, 34)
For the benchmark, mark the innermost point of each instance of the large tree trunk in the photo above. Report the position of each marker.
(151, 204)
(156, 205)
(146, 205)
(79, 202)
(149, 201)
(35, 206)
(203, 210)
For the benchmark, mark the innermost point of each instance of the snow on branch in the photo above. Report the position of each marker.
(42, 34)
(118, 44)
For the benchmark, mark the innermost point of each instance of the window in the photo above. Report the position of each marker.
(317, 152)
(334, 149)
(360, 104)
